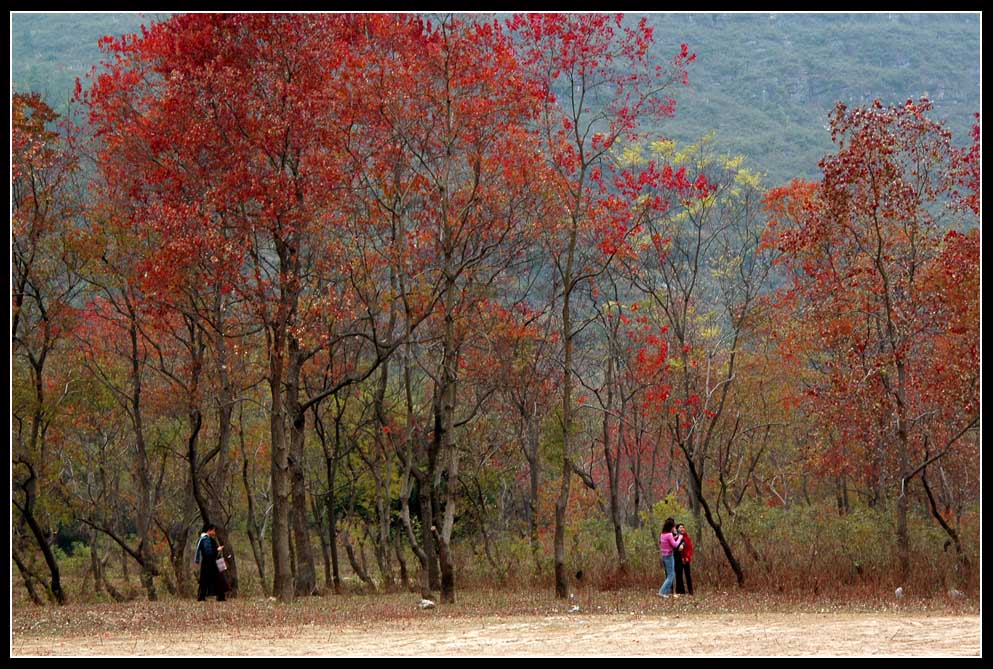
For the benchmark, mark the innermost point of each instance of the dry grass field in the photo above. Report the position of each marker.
(495, 623)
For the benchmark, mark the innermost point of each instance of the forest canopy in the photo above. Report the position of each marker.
(446, 294)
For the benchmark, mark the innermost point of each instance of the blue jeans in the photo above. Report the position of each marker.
(669, 562)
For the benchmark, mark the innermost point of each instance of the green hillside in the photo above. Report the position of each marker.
(764, 82)
(49, 51)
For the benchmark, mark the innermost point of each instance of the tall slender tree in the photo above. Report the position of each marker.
(44, 284)
(600, 87)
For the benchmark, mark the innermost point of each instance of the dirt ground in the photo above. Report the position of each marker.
(746, 634)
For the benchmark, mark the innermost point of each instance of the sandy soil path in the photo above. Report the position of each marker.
(562, 635)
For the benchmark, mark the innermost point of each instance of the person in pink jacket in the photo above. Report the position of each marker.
(669, 542)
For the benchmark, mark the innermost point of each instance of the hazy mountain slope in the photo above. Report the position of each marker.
(766, 83)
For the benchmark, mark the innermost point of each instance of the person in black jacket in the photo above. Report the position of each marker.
(212, 581)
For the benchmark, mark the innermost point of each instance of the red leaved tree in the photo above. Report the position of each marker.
(450, 176)
(43, 285)
(866, 248)
(224, 132)
(601, 86)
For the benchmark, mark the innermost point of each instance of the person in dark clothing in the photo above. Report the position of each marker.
(682, 558)
(212, 581)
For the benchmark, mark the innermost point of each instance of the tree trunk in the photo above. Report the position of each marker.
(447, 564)
(96, 568)
(146, 491)
(718, 532)
(27, 513)
(428, 530)
(305, 575)
(280, 472)
(100, 581)
(903, 502)
(961, 560)
(331, 458)
(382, 543)
(613, 468)
(357, 566)
(404, 573)
(27, 577)
(531, 441)
(333, 531)
(406, 487)
(562, 503)
(448, 460)
(322, 533)
(220, 478)
(254, 538)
